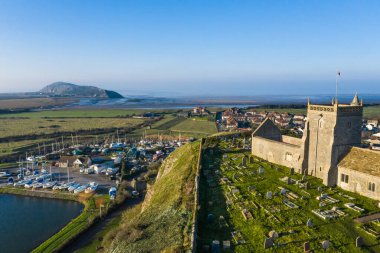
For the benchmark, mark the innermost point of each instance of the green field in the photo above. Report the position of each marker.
(37, 126)
(194, 125)
(244, 190)
(81, 113)
(173, 126)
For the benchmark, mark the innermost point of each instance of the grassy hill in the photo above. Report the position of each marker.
(164, 222)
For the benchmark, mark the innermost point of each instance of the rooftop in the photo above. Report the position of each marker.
(362, 160)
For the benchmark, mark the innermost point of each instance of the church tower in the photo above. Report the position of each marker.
(331, 130)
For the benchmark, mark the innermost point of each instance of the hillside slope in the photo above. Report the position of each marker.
(164, 222)
(63, 89)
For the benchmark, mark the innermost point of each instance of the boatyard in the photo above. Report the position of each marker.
(87, 168)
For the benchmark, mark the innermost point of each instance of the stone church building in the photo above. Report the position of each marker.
(329, 149)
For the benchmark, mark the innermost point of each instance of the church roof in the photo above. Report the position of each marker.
(362, 160)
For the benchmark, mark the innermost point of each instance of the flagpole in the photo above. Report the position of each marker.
(336, 86)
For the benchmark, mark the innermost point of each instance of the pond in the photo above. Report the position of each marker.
(26, 222)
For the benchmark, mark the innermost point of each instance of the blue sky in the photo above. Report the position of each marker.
(192, 47)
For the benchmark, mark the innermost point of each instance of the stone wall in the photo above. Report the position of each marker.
(292, 140)
(196, 201)
(278, 152)
(358, 182)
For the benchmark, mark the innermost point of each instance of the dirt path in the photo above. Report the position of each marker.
(90, 234)
(367, 218)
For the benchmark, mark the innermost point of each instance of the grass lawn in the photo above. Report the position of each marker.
(194, 125)
(244, 190)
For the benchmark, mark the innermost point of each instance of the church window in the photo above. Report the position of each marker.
(344, 178)
(371, 187)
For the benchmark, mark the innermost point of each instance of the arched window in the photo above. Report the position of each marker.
(371, 186)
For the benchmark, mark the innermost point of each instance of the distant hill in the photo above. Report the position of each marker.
(62, 89)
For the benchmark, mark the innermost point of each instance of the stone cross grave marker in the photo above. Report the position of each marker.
(309, 223)
(359, 241)
(306, 247)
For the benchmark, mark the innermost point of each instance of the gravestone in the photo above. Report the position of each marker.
(261, 170)
(325, 244)
(306, 247)
(244, 161)
(291, 171)
(215, 248)
(251, 159)
(359, 241)
(269, 195)
(309, 223)
(226, 245)
(273, 234)
(320, 188)
(304, 177)
(268, 243)
(210, 218)
(307, 185)
(283, 191)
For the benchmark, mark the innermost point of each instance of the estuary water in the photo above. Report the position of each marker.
(26, 222)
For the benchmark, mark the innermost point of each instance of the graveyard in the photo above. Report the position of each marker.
(250, 205)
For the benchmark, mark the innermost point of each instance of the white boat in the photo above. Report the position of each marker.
(10, 181)
(37, 185)
(73, 187)
(111, 171)
(66, 186)
(20, 183)
(112, 193)
(5, 174)
(57, 186)
(92, 187)
(28, 185)
(81, 189)
(48, 185)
